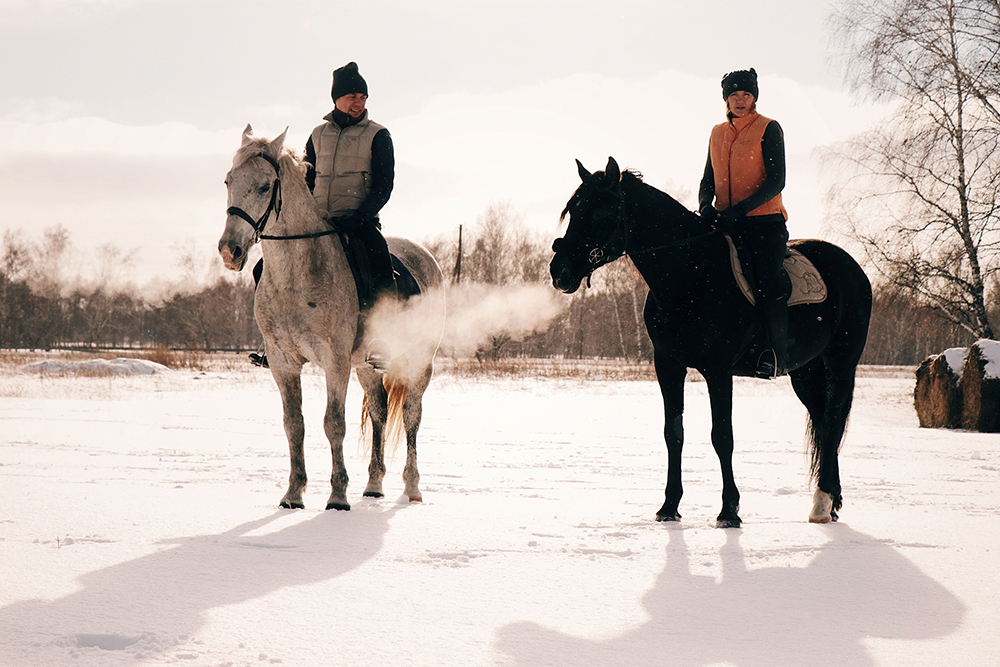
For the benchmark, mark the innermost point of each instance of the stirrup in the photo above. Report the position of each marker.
(767, 365)
(258, 358)
(378, 355)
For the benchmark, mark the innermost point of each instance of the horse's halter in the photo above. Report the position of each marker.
(605, 252)
(273, 207)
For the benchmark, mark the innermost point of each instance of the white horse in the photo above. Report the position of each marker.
(306, 307)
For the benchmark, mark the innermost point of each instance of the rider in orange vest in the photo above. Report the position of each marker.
(741, 193)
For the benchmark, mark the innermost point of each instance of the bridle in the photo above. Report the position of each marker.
(599, 254)
(608, 250)
(274, 206)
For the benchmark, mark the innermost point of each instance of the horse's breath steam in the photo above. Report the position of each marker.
(477, 312)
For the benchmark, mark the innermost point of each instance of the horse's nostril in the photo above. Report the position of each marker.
(237, 252)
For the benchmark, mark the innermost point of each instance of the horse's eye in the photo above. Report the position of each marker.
(264, 188)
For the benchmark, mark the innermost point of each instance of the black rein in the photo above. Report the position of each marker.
(273, 207)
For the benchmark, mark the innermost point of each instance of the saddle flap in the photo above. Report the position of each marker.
(807, 283)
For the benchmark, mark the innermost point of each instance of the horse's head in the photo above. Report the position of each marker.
(596, 232)
(254, 196)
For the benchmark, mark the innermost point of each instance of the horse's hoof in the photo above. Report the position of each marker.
(343, 507)
(374, 494)
(668, 517)
(416, 499)
(732, 522)
(291, 505)
(822, 511)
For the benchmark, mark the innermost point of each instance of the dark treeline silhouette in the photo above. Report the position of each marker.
(604, 321)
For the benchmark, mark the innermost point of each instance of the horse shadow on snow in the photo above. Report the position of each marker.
(856, 588)
(155, 603)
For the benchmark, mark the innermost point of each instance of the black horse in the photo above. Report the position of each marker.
(697, 317)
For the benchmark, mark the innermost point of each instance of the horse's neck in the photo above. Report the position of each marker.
(299, 214)
(297, 261)
(667, 243)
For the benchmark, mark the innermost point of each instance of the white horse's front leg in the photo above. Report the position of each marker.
(290, 388)
(822, 511)
(335, 425)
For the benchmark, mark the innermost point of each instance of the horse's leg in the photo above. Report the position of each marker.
(288, 379)
(827, 395)
(412, 415)
(670, 376)
(720, 393)
(335, 426)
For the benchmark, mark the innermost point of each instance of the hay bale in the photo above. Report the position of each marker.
(981, 387)
(938, 394)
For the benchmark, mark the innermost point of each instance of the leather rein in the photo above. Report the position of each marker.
(604, 252)
(273, 207)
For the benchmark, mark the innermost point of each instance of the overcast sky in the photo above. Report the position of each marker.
(119, 118)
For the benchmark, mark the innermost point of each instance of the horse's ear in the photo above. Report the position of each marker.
(278, 142)
(584, 174)
(614, 174)
(247, 133)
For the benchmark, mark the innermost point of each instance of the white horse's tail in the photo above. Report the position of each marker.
(395, 381)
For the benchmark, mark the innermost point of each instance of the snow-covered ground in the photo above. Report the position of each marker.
(139, 526)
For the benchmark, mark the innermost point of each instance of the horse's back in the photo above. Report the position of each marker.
(418, 260)
(849, 301)
(839, 269)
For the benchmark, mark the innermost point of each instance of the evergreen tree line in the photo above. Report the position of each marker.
(600, 321)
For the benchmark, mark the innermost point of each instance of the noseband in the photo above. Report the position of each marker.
(599, 254)
(273, 207)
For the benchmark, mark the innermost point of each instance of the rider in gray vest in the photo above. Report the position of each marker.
(350, 171)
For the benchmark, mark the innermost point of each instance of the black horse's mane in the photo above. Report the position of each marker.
(658, 198)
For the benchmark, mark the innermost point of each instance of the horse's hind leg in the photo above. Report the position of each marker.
(290, 387)
(412, 416)
(827, 394)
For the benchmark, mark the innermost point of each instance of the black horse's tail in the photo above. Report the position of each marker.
(826, 384)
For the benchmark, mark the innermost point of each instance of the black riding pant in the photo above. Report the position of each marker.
(764, 238)
(378, 255)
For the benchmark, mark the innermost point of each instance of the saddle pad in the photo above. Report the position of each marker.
(406, 284)
(807, 283)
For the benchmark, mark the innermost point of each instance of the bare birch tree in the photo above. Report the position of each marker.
(921, 191)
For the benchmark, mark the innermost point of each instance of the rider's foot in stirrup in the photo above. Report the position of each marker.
(378, 355)
(258, 359)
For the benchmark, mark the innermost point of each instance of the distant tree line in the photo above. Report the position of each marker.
(40, 309)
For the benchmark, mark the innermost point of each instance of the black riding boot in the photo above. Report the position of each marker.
(774, 361)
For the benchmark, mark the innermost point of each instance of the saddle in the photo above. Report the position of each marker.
(807, 283)
(357, 259)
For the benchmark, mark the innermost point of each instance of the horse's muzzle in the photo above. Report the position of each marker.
(233, 256)
(563, 278)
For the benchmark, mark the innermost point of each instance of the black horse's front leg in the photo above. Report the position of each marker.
(720, 392)
(670, 375)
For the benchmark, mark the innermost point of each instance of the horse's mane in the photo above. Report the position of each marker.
(660, 197)
(288, 160)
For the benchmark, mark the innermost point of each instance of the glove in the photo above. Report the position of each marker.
(708, 213)
(728, 219)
